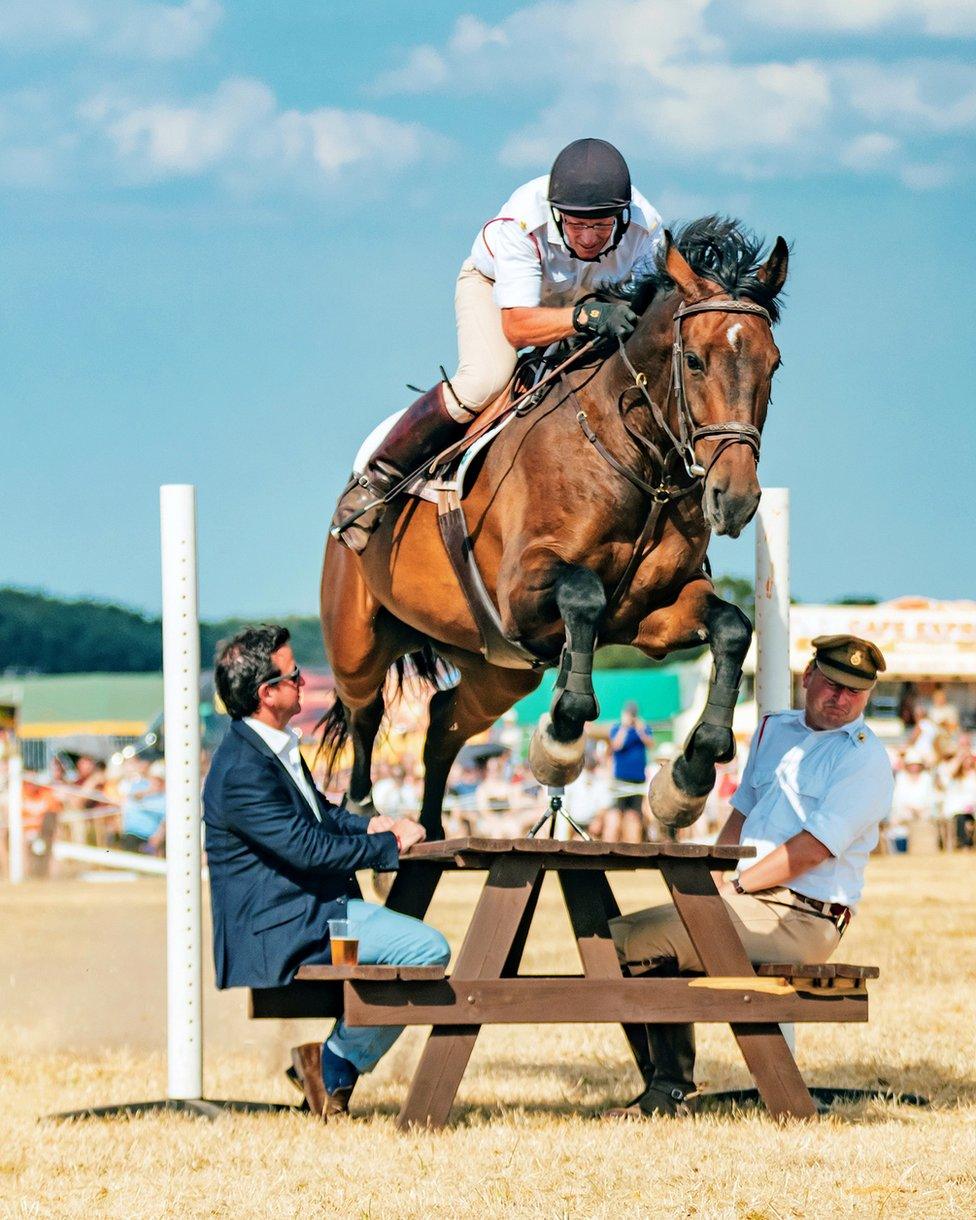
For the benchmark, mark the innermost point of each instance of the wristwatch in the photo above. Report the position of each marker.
(736, 883)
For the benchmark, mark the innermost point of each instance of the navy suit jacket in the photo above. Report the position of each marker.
(277, 875)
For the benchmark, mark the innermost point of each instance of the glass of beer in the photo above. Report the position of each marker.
(344, 941)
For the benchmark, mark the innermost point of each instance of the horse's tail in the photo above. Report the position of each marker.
(423, 665)
(335, 733)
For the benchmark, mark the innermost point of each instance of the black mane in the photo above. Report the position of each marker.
(723, 250)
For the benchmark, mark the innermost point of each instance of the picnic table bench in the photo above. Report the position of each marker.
(486, 987)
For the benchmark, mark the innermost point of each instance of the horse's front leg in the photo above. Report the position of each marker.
(557, 748)
(679, 790)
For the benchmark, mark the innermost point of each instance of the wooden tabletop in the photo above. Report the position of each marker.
(554, 853)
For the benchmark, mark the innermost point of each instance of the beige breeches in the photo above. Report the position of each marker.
(486, 359)
(770, 932)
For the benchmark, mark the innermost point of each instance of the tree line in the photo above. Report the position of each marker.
(40, 634)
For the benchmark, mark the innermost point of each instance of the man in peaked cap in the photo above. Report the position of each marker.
(814, 791)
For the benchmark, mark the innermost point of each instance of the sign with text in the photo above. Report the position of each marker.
(919, 637)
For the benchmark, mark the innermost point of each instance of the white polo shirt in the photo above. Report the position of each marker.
(522, 251)
(285, 743)
(835, 784)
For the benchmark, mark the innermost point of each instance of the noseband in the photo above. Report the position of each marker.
(732, 432)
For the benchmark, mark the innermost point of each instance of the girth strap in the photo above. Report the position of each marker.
(496, 647)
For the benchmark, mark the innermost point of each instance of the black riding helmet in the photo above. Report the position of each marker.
(590, 178)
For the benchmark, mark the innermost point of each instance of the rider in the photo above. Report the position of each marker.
(558, 239)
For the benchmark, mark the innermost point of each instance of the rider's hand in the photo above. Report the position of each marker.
(408, 832)
(606, 319)
(379, 823)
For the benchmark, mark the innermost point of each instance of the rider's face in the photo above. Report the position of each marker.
(586, 238)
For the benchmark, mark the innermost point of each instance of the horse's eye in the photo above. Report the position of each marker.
(694, 362)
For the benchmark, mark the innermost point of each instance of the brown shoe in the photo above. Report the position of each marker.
(306, 1074)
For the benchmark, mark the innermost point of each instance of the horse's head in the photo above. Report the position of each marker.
(723, 361)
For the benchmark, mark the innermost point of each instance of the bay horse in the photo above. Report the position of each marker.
(590, 518)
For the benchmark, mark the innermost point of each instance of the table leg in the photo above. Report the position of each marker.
(506, 904)
(765, 1050)
(591, 905)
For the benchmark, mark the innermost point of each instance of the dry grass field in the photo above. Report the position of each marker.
(82, 1014)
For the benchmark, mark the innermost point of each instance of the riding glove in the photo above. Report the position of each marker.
(608, 319)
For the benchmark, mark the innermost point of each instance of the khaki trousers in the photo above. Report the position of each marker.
(486, 359)
(775, 927)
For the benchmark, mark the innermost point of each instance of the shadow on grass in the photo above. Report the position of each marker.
(903, 1091)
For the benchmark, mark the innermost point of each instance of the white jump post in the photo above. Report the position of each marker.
(774, 681)
(15, 816)
(181, 726)
(181, 714)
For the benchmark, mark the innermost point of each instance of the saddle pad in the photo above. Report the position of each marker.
(427, 489)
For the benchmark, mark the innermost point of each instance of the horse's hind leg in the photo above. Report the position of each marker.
(484, 693)
(557, 748)
(364, 724)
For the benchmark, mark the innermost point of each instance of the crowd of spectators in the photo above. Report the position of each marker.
(492, 793)
(935, 779)
(118, 804)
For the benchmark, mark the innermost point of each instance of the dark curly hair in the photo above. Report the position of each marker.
(243, 663)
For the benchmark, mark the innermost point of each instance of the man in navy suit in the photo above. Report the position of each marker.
(283, 859)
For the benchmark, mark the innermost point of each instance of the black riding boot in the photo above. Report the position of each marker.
(424, 429)
(672, 1085)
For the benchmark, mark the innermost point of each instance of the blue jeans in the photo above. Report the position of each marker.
(386, 938)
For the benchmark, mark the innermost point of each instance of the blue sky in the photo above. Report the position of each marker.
(230, 234)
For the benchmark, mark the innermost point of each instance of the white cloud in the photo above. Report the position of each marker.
(240, 133)
(136, 29)
(920, 95)
(940, 18)
(727, 109)
(652, 76)
(556, 40)
(926, 177)
(868, 151)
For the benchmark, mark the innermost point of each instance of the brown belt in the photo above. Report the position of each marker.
(836, 912)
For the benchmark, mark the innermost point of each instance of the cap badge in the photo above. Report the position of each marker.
(857, 657)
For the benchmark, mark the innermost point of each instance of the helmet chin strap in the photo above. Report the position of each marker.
(621, 225)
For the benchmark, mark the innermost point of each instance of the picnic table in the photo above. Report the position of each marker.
(486, 987)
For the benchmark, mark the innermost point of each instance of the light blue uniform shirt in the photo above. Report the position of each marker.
(835, 784)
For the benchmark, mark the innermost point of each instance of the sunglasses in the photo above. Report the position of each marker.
(295, 676)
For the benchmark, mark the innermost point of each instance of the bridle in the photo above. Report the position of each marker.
(666, 490)
(731, 432)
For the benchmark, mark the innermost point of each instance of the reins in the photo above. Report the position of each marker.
(665, 491)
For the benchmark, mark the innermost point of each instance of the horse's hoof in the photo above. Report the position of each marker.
(669, 804)
(554, 763)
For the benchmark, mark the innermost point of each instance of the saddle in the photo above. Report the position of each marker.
(444, 482)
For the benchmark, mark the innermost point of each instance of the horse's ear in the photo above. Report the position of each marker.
(773, 271)
(691, 285)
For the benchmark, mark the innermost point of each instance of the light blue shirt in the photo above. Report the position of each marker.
(835, 784)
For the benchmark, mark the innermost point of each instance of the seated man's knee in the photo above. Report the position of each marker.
(436, 951)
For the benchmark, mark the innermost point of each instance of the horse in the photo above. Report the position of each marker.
(589, 519)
